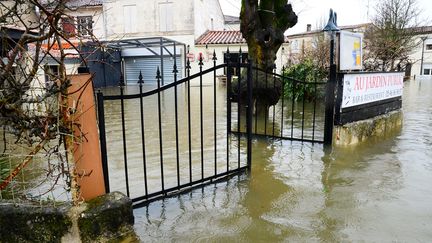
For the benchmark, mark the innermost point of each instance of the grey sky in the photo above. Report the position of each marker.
(316, 11)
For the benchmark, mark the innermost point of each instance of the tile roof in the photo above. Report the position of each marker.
(228, 19)
(75, 3)
(221, 37)
(422, 30)
(312, 32)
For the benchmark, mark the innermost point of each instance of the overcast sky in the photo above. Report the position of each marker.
(315, 11)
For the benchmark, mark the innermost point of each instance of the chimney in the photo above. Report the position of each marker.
(308, 27)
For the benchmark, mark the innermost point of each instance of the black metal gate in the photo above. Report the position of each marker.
(200, 150)
(152, 151)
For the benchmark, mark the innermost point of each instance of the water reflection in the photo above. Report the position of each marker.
(378, 191)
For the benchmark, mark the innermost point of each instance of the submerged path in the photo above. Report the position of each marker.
(378, 191)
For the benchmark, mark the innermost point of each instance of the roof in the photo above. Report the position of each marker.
(313, 32)
(142, 43)
(14, 32)
(228, 19)
(221, 37)
(422, 30)
(75, 3)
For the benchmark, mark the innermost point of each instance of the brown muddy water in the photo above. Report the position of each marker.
(379, 191)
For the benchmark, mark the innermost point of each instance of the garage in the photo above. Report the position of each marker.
(146, 55)
(148, 66)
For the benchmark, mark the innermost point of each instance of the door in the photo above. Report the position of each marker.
(148, 66)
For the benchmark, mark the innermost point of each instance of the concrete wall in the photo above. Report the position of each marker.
(362, 131)
(108, 218)
(148, 18)
(207, 16)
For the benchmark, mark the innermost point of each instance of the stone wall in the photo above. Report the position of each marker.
(360, 131)
(105, 218)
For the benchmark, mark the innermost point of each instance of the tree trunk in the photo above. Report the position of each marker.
(263, 25)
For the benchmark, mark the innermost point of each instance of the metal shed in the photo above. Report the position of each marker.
(147, 55)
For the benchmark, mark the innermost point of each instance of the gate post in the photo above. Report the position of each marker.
(249, 115)
(329, 107)
(332, 28)
(102, 138)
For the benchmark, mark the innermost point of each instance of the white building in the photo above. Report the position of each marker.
(421, 58)
(174, 21)
(137, 21)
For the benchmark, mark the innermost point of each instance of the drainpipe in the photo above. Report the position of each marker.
(423, 38)
(104, 17)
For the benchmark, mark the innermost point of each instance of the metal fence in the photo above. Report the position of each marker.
(202, 148)
(168, 139)
(294, 117)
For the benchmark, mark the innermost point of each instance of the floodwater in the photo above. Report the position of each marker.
(379, 191)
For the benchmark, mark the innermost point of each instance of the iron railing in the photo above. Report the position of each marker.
(206, 173)
(225, 153)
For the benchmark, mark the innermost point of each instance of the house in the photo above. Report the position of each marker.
(82, 21)
(136, 36)
(13, 24)
(300, 42)
(220, 42)
(421, 57)
(419, 60)
(152, 34)
(231, 22)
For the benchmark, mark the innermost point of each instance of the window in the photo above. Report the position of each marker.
(51, 74)
(129, 17)
(85, 25)
(426, 71)
(68, 26)
(165, 17)
(294, 45)
(429, 47)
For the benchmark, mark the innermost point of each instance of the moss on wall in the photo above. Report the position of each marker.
(108, 218)
(33, 223)
(361, 131)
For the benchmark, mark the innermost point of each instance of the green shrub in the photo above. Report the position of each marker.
(305, 71)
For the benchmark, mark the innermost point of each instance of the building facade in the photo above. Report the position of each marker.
(421, 57)
(172, 21)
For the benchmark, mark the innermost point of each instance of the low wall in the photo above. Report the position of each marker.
(360, 131)
(105, 218)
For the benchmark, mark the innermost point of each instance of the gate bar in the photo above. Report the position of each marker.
(214, 113)
(158, 78)
(122, 84)
(102, 138)
(249, 115)
(141, 81)
(200, 63)
(175, 71)
(188, 67)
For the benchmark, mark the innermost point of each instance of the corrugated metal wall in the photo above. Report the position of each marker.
(148, 67)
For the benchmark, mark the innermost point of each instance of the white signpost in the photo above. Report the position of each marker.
(351, 51)
(363, 88)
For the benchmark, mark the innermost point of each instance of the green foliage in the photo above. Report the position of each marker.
(306, 72)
